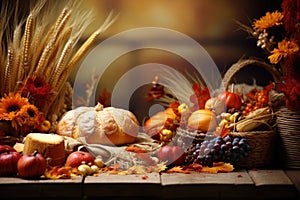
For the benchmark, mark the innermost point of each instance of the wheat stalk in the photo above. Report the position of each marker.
(26, 43)
(49, 49)
(85, 48)
(8, 70)
(61, 62)
(3, 25)
(90, 41)
(43, 44)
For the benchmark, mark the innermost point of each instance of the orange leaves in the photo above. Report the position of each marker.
(178, 169)
(217, 167)
(135, 149)
(223, 132)
(105, 97)
(64, 172)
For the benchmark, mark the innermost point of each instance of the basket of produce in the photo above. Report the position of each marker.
(191, 124)
(253, 118)
(182, 123)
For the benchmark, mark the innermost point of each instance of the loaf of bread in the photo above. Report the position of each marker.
(51, 146)
(98, 125)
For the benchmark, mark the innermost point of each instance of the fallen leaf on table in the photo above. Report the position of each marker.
(218, 167)
(178, 169)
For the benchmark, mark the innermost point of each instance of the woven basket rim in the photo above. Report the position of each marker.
(236, 67)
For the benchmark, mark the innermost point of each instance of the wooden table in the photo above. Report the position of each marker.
(240, 184)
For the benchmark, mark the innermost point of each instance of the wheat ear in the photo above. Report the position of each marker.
(85, 48)
(49, 49)
(8, 69)
(27, 38)
(90, 41)
(41, 38)
(16, 48)
(3, 24)
(59, 59)
(25, 48)
(61, 63)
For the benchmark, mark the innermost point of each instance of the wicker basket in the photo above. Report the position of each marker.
(261, 141)
(9, 140)
(188, 139)
(289, 132)
(262, 148)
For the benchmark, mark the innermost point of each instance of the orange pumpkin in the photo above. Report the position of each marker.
(231, 100)
(203, 120)
(157, 122)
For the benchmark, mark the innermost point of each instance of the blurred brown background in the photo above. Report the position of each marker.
(210, 22)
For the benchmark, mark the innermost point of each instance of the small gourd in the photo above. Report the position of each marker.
(215, 104)
(203, 120)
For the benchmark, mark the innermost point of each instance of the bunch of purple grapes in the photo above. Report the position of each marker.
(218, 149)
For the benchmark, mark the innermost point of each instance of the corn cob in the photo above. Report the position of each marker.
(254, 120)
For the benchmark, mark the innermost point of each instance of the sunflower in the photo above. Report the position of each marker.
(30, 118)
(10, 105)
(285, 48)
(268, 21)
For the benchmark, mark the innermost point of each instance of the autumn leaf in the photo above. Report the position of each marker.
(160, 167)
(135, 149)
(218, 167)
(105, 97)
(64, 172)
(178, 169)
(223, 132)
(194, 167)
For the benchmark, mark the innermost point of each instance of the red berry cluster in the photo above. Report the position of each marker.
(257, 99)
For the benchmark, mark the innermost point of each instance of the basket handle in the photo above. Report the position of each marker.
(248, 62)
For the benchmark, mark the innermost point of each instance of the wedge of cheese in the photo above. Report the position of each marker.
(51, 146)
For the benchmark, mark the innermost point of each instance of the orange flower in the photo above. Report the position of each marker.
(37, 87)
(269, 20)
(30, 117)
(10, 105)
(22, 115)
(285, 48)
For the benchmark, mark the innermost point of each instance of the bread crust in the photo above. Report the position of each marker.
(109, 126)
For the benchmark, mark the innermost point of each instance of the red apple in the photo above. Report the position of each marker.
(174, 155)
(8, 162)
(4, 148)
(31, 165)
(76, 158)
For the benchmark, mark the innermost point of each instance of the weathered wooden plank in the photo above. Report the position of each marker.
(151, 178)
(235, 178)
(294, 175)
(15, 188)
(116, 186)
(273, 184)
(269, 177)
(233, 185)
(15, 180)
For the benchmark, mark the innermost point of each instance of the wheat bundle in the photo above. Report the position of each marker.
(45, 45)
